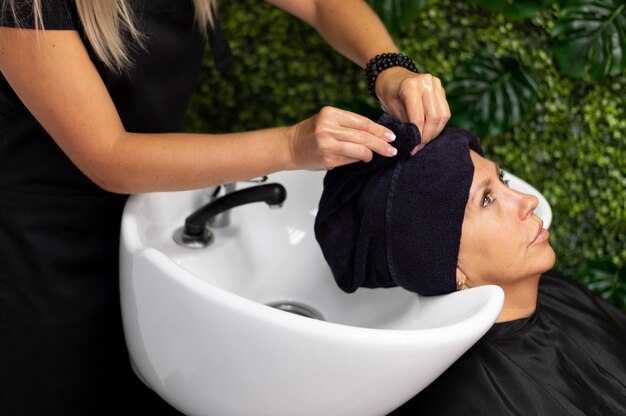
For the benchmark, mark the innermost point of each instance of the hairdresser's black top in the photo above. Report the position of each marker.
(152, 97)
(47, 204)
(568, 358)
(59, 232)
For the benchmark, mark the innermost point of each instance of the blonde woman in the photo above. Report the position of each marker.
(92, 99)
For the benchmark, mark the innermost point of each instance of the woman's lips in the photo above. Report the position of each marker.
(542, 236)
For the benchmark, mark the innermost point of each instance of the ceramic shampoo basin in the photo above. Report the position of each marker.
(210, 330)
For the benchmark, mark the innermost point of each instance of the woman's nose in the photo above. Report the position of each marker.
(527, 205)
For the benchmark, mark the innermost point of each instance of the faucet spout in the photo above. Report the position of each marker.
(273, 194)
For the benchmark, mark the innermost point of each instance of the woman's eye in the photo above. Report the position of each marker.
(487, 199)
(506, 182)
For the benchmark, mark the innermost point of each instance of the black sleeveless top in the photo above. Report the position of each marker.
(62, 347)
(54, 222)
(152, 97)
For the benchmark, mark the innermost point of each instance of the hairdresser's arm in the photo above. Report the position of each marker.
(54, 77)
(354, 30)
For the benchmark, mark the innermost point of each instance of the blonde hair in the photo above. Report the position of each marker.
(106, 21)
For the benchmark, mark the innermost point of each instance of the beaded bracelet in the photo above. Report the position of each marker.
(379, 63)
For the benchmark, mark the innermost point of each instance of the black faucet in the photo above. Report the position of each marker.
(195, 231)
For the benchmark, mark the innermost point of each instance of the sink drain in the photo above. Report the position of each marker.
(297, 309)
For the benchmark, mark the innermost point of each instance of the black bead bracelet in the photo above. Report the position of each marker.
(379, 63)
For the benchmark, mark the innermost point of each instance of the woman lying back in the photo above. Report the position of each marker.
(445, 220)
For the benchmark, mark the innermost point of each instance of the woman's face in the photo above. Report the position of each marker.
(502, 240)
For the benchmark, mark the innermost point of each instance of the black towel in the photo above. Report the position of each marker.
(397, 221)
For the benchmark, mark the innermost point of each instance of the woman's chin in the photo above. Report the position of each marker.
(541, 260)
(549, 258)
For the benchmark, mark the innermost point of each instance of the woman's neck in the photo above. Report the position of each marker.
(520, 299)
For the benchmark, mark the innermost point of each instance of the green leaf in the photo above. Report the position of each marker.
(515, 9)
(590, 39)
(396, 14)
(489, 95)
(605, 278)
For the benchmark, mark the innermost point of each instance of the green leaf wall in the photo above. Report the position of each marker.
(570, 145)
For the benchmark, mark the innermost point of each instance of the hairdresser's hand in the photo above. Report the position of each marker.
(418, 98)
(336, 137)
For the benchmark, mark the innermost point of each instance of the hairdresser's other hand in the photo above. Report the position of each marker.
(418, 98)
(335, 137)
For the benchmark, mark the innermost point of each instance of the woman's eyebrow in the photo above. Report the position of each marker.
(484, 183)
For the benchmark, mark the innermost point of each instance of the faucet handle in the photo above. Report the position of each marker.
(196, 230)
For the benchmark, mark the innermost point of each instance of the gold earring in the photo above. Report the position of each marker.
(462, 285)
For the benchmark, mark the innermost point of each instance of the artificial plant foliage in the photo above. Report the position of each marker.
(607, 279)
(516, 9)
(590, 38)
(489, 95)
(396, 14)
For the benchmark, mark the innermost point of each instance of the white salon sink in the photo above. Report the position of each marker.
(201, 335)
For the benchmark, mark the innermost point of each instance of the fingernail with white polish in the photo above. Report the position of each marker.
(390, 136)
(392, 150)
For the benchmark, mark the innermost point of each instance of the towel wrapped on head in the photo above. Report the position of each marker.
(397, 221)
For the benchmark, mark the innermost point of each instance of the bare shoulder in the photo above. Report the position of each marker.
(52, 74)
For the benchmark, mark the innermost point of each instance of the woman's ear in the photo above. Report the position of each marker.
(461, 279)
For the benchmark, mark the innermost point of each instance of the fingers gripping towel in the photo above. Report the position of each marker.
(397, 221)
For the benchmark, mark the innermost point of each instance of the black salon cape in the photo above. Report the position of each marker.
(62, 349)
(568, 358)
